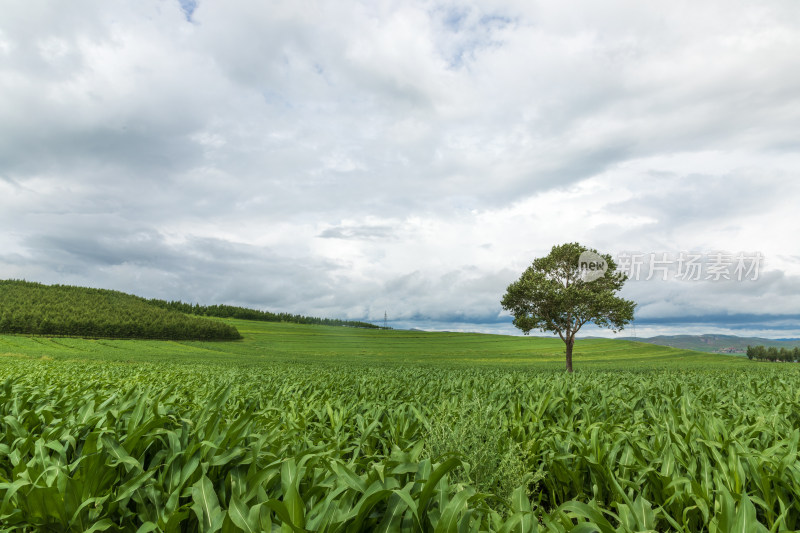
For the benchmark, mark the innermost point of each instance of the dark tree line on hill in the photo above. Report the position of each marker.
(243, 313)
(784, 355)
(62, 310)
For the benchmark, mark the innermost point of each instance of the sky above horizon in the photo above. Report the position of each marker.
(349, 159)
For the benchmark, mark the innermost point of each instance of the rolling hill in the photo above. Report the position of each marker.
(266, 343)
(62, 310)
(65, 311)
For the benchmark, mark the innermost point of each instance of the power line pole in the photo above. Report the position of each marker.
(385, 320)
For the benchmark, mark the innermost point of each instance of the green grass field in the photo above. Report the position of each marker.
(266, 342)
(311, 428)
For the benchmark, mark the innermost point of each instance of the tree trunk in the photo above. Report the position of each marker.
(569, 343)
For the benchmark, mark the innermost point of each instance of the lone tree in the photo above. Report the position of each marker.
(566, 289)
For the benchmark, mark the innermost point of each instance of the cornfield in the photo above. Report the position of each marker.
(293, 447)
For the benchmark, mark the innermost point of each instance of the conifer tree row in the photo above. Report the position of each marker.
(243, 313)
(62, 310)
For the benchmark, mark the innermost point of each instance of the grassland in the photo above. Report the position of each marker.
(283, 342)
(309, 428)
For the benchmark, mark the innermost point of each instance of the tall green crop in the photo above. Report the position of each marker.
(138, 446)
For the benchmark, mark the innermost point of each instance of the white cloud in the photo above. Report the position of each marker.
(403, 156)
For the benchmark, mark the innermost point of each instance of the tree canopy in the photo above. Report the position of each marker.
(560, 293)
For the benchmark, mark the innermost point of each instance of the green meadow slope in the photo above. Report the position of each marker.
(78, 322)
(62, 310)
(266, 342)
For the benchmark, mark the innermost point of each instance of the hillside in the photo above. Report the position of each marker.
(61, 310)
(714, 343)
(265, 343)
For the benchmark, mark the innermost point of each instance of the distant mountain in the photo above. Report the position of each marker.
(714, 343)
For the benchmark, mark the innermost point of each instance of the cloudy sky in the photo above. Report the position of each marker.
(349, 159)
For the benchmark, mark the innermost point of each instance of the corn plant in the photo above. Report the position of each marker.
(293, 447)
